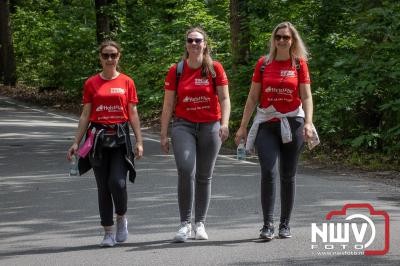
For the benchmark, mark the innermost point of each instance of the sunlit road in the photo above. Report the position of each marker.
(49, 218)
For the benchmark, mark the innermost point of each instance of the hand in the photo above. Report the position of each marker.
(71, 151)
(307, 131)
(138, 150)
(224, 133)
(241, 134)
(164, 141)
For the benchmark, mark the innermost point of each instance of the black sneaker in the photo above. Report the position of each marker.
(267, 232)
(284, 231)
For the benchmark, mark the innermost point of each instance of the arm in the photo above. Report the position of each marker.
(135, 124)
(80, 132)
(225, 103)
(168, 107)
(306, 100)
(252, 100)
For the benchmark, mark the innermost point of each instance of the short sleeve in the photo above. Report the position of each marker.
(132, 94)
(304, 74)
(170, 80)
(221, 78)
(87, 92)
(257, 75)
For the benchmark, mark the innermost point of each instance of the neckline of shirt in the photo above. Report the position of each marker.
(103, 78)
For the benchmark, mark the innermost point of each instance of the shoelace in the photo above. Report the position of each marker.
(265, 228)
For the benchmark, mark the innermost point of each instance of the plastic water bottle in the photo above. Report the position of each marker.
(73, 170)
(241, 151)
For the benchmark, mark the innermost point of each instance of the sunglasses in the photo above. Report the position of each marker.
(284, 37)
(106, 56)
(196, 40)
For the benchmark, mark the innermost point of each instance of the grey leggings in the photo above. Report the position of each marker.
(270, 148)
(196, 146)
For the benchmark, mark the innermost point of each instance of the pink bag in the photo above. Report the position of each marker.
(87, 146)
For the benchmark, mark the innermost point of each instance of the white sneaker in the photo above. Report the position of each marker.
(122, 230)
(108, 240)
(200, 231)
(185, 231)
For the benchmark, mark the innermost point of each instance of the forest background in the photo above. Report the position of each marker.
(51, 46)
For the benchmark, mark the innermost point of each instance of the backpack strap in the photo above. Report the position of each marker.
(264, 63)
(262, 68)
(297, 61)
(214, 78)
(179, 70)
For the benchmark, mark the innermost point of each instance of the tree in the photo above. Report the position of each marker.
(240, 38)
(7, 64)
(106, 23)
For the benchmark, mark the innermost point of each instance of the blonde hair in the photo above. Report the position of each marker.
(207, 67)
(297, 49)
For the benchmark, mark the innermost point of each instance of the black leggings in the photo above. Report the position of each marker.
(110, 175)
(270, 147)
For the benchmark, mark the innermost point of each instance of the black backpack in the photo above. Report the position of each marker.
(179, 71)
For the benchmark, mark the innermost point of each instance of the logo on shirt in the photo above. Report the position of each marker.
(200, 99)
(201, 82)
(109, 108)
(287, 73)
(285, 91)
(117, 90)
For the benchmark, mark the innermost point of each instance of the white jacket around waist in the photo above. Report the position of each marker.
(266, 114)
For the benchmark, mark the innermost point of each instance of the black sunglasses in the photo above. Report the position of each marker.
(284, 37)
(196, 40)
(105, 56)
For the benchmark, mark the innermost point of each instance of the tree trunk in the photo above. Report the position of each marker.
(7, 64)
(106, 24)
(240, 39)
(102, 21)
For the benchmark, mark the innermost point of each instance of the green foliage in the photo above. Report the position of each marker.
(53, 48)
(354, 63)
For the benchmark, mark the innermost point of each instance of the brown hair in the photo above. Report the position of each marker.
(207, 67)
(106, 43)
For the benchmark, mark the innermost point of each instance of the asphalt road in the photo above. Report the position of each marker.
(50, 218)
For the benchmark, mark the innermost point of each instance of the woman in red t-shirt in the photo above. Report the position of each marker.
(109, 104)
(199, 97)
(283, 92)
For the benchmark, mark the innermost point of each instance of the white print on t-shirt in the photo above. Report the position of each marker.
(285, 91)
(117, 90)
(201, 82)
(287, 73)
(111, 117)
(280, 99)
(198, 108)
(109, 108)
(200, 99)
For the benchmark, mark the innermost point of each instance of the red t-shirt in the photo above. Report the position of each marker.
(197, 99)
(109, 98)
(280, 84)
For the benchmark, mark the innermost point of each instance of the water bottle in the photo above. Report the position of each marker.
(73, 170)
(241, 151)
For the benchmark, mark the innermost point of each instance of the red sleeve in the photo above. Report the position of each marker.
(87, 92)
(304, 74)
(221, 78)
(132, 95)
(257, 75)
(170, 80)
